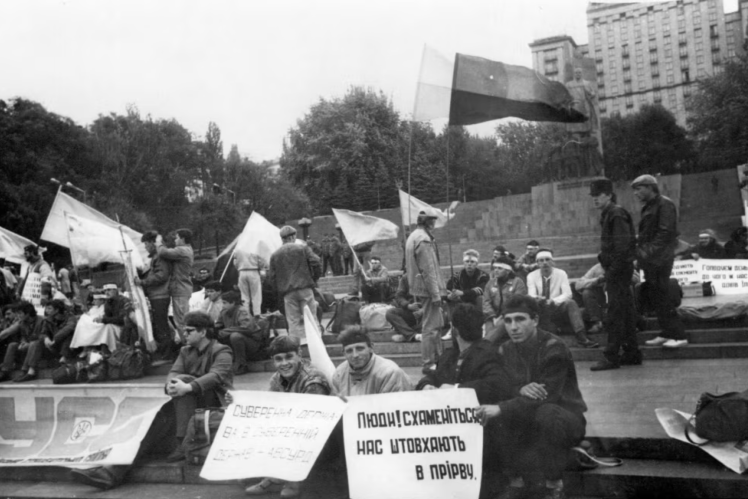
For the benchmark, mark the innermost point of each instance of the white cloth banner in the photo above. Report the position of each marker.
(75, 426)
(734, 455)
(317, 350)
(729, 277)
(271, 434)
(32, 292)
(410, 206)
(55, 226)
(359, 228)
(259, 236)
(419, 445)
(92, 242)
(11, 246)
(140, 313)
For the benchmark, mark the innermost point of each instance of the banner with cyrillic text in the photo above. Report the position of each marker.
(32, 291)
(75, 426)
(271, 434)
(425, 444)
(729, 277)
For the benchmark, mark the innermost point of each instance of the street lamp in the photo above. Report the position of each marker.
(304, 223)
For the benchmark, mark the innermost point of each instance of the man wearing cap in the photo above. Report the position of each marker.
(551, 287)
(617, 254)
(156, 286)
(181, 257)
(115, 307)
(294, 374)
(541, 413)
(425, 283)
(294, 270)
(364, 372)
(499, 251)
(708, 247)
(503, 285)
(658, 237)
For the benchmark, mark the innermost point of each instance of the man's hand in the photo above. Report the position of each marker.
(695, 256)
(178, 388)
(534, 391)
(414, 306)
(48, 343)
(485, 413)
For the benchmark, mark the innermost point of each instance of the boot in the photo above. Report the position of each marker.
(584, 342)
(632, 358)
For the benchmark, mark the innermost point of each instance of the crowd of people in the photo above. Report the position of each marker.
(502, 327)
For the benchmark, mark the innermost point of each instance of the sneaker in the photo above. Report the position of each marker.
(101, 478)
(291, 489)
(176, 455)
(265, 486)
(675, 343)
(656, 342)
(605, 365)
(587, 343)
(398, 338)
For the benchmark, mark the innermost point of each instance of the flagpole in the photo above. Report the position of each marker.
(449, 240)
(70, 245)
(228, 262)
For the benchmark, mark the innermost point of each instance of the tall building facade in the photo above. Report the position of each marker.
(648, 53)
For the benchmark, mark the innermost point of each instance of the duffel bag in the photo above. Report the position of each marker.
(373, 316)
(346, 314)
(721, 418)
(201, 431)
(127, 362)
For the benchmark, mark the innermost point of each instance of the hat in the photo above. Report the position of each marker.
(423, 216)
(99, 297)
(501, 248)
(109, 286)
(287, 231)
(601, 186)
(504, 262)
(643, 180)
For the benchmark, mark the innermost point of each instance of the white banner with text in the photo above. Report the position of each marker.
(271, 434)
(417, 445)
(729, 277)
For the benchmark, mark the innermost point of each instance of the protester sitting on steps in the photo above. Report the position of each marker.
(405, 315)
(212, 305)
(25, 338)
(526, 262)
(293, 375)
(374, 284)
(241, 331)
(503, 285)
(466, 286)
(550, 286)
(62, 324)
(199, 378)
(708, 247)
(541, 412)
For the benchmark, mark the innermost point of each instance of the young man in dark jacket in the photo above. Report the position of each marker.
(156, 286)
(541, 413)
(617, 248)
(61, 324)
(405, 314)
(655, 246)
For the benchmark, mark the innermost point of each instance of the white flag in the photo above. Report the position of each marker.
(410, 206)
(259, 236)
(359, 228)
(11, 246)
(54, 228)
(317, 351)
(92, 243)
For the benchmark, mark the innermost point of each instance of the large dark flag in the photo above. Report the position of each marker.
(470, 90)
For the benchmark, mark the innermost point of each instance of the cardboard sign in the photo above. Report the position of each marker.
(75, 426)
(271, 434)
(729, 277)
(32, 292)
(414, 444)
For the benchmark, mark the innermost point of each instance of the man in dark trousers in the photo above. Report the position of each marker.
(617, 249)
(540, 416)
(655, 246)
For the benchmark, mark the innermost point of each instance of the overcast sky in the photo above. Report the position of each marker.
(254, 66)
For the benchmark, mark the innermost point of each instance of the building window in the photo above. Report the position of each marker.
(683, 64)
(637, 33)
(697, 33)
(699, 59)
(671, 97)
(599, 66)
(713, 33)
(603, 107)
(731, 53)
(657, 97)
(683, 51)
(682, 39)
(599, 55)
(669, 65)
(670, 79)
(718, 69)
(681, 24)
(625, 50)
(666, 25)
(551, 67)
(700, 73)
(697, 18)
(666, 41)
(601, 93)
(614, 89)
(626, 75)
(699, 47)
(668, 53)
(685, 76)
(655, 69)
(627, 87)
(596, 28)
(598, 40)
(687, 91)
(629, 101)
(653, 56)
(716, 59)
(655, 82)
(715, 44)
(640, 70)
(626, 63)
(712, 16)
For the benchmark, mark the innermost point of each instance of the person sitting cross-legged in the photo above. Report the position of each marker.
(243, 332)
(24, 340)
(503, 285)
(550, 286)
(404, 315)
(294, 375)
(541, 413)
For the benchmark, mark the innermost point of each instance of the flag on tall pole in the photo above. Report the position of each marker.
(55, 227)
(92, 243)
(359, 228)
(11, 246)
(410, 206)
(259, 237)
(470, 90)
(318, 355)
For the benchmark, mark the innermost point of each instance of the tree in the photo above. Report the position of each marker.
(649, 141)
(343, 152)
(717, 118)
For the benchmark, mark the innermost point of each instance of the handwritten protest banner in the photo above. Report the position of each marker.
(75, 426)
(414, 444)
(32, 291)
(271, 434)
(729, 277)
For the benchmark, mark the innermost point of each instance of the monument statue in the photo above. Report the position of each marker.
(586, 135)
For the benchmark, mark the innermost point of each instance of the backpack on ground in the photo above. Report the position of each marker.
(67, 374)
(345, 314)
(127, 362)
(373, 316)
(201, 431)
